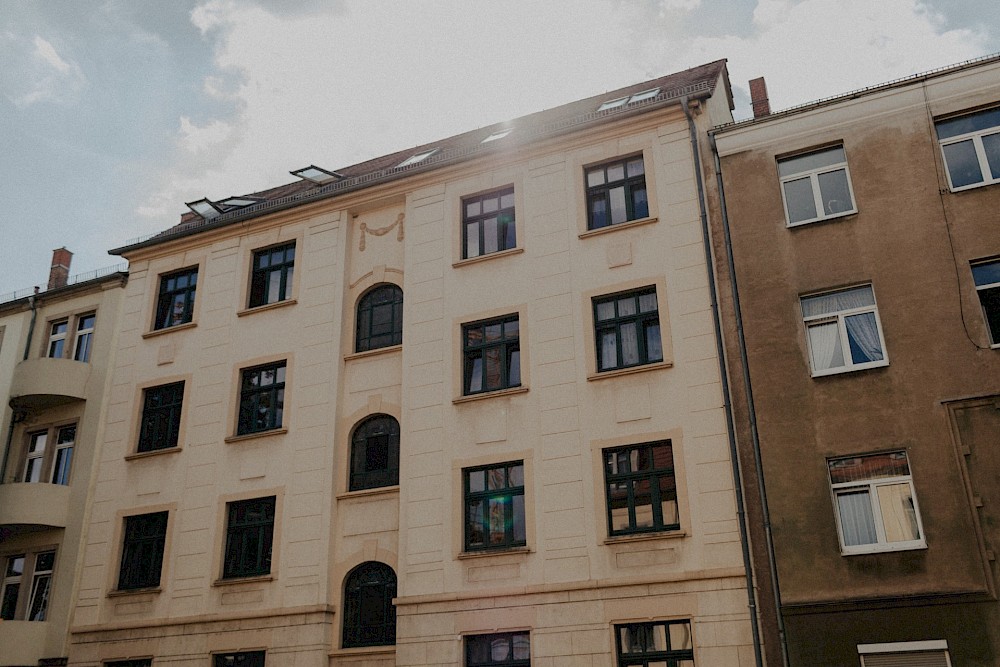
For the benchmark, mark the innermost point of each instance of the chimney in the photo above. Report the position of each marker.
(758, 98)
(59, 273)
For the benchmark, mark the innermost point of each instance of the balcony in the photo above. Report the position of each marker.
(23, 642)
(44, 383)
(34, 504)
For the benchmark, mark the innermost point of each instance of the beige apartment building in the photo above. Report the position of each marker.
(458, 405)
(865, 234)
(55, 352)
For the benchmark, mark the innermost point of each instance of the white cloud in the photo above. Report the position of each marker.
(196, 139)
(43, 74)
(47, 53)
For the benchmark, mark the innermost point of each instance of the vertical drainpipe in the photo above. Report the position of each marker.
(751, 410)
(720, 353)
(33, 302)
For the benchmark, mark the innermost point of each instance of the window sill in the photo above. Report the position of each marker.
(120, 593)
(486, 553)
(257, 579)
(644, 537)
(266, 306)
(177, 327)
(885, 549)
(813, 221)
(373, 353)
(363, 650)
(362, 493)
(252, 436)
(614, 228)
(489, 394)
(995, 346)
(488, 256)
(618, 372)
(849, 369)
(155, 452)
(973, 186)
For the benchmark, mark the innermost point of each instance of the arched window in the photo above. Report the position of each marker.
(369, 615)
(380, 318)
(375, 453)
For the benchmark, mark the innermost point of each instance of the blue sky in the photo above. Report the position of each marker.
(113, 113)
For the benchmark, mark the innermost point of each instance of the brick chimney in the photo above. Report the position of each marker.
(59, 273)
(758, 98)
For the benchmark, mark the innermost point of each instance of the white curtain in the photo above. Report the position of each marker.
(857, 523)
(898, 513)
(630, 344)
(863, 332)
(826, 304)
(824, 346)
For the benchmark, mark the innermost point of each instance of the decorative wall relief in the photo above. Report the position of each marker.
(382, 231)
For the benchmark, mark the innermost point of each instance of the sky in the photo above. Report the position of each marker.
(114, 113)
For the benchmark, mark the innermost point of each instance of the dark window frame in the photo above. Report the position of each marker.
(636, 208)
(249, 537)
(477, 344)
(239, 659)
(278, 259)
(368, 592)
(382, 296)
(160, 423)
(251, 418)
(475, 216)
(135, 662)
(481, 498)
(648, 655)
(144, 539)
(986, 277)
(170, 294)
(475, 645)
(375, 440)
(643, 321)
(652, 475)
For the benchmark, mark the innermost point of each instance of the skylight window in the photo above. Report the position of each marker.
(644, 95)
(238, 202)
(204, 208)
(613, 104)
(316, 175)
(419, 157)
(499, 134)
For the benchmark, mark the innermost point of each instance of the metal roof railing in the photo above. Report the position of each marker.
(121, 267)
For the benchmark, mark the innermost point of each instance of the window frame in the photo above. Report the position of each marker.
(976, 136)
(870, 654)
(365, 479)
(509, 637)
(989, 292)
(145, 551)
(239, 659)
(646, 658)
(242, 534)
(62, 462)
(509, 346)
(12, 581)
(630, 184)
(258, 292)
(382, 583)
(250, 398)
(47, 459)
(174, 413)
(55, 347)
(162, 319)
(507, 494)
(131, 662)
(813, 175)
(25, 584)
(83, 338)
(364, 313)
(640, 318)
(652, 474)
(870, 487)
(480, 219)
(38, 575)
(840, 317)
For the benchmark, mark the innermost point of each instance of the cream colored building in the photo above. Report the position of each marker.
(459, 405)
(55, 352)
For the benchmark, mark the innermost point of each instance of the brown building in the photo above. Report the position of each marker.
(865, 235)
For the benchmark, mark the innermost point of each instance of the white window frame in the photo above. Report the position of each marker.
(60, 448)
(813, 176)
(994, 335)
(36, 576)
(871, 486)
(55, 337)
(36, 458)
(977, 143)
(13, 579)
(901, 648)
(840, 317)
(84, 334)
(28, 581)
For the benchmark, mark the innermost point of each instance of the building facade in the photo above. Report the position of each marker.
(55, 352)
(459, 405)
(864, 234)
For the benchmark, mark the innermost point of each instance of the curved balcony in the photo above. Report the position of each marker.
(43, 383)
(23, 642)
(34, 505)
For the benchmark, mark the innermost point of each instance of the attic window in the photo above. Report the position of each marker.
(644, 95)
(204, 208)
(499, 134)
(613, 104)
(419, 157)
(316, 175)
(238, 202)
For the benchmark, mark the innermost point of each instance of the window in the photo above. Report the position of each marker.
(57, 339)
(415, 159)
(138, 662)
(84, 337)
(488, 223)
(375, 453)
(142, 551)
(641, 488)
(512, 649)
(262, 398)
(843, 331)
(816, 186)
(249, 534)
(492, 353)
(41, 586)
(627, 329)
(875, 502)
(380, 318)
(271, 278)
(241, 659)
(987, 279)
(971, 148)
(40, 461)
(161, 417)
(369, 615)
(657, 644)
(175, 304)
(933, 653)
(40, 576)
(616, 192)
(494, 507)
(13, 571)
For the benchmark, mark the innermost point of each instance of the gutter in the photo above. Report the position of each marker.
(730, 428)
(751, 410)
(18, 415)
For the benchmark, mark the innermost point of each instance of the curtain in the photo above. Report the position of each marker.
(862, 332)
(898, 513)
(825, 304)
(857, 523)
(824, 346)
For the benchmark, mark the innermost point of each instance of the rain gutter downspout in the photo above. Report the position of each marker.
(32, 301)
(751, 410)
(720, 353)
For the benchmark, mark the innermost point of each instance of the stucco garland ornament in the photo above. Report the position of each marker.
(382, 231)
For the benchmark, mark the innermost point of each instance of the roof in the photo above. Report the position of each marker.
(77, 283)
(697, 82)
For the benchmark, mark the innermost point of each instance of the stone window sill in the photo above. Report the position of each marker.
(253, 436)
(487, 256)
(614, 228)
(630, 370)
(489, 394)
(155, 452)
(166, 330)
(266, 306)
